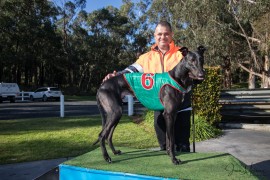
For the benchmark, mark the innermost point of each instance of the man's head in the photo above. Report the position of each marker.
(163, 35)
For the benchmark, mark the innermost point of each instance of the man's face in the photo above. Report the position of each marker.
(163, 36)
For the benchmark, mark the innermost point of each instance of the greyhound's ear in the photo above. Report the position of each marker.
(184, 51)
(201, 49)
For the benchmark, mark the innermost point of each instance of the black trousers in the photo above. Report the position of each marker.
(181, 131)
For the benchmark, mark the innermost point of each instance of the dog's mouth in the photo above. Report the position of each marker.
(198, 77)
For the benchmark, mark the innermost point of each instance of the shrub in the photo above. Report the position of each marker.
(206, 97)
(148, 121)
(203, 130)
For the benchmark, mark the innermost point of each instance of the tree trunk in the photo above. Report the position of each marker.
(18, 74)
(227, 73)
(251, 79)
(266, 73)
(1, 71)
(41, 75)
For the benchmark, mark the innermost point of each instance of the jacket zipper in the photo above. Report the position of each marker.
(162, 57)
(162, 61)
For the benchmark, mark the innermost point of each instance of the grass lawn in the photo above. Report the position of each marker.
(216, 166)
(48, 138)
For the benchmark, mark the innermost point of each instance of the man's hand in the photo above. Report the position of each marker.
(110, 75)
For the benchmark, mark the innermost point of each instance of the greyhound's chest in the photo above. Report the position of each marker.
(147, 87)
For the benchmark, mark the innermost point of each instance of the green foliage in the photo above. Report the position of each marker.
(206, 97)
(56, 44)
(203, 130)
(149, 116)
(148, 122)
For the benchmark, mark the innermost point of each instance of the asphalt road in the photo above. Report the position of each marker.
(28, 109)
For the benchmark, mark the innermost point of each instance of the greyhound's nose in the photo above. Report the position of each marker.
(200, 76)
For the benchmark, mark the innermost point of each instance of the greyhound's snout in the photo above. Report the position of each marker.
(200, 76)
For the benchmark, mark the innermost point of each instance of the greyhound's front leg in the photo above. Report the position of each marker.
(170, 121)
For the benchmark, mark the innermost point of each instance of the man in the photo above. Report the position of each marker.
(163, 57)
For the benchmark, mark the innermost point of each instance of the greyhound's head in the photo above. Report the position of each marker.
(193, 62)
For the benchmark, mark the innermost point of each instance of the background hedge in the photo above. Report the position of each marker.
(206, 96)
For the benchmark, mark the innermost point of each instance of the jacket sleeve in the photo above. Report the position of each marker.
(131, 69)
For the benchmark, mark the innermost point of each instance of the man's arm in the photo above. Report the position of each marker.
(130, 69)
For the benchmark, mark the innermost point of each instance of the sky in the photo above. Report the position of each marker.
(92, 5)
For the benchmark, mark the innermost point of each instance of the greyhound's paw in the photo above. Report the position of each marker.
(117, 152)
(108, 159)
(176, 161)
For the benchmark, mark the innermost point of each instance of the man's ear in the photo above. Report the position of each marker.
(184, 51)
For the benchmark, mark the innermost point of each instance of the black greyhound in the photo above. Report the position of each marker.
(110, 102)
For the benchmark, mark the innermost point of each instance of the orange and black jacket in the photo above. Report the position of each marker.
(156, 62)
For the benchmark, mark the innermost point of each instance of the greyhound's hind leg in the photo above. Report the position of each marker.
(109, 139)
(111, 106)
(113, 117)
(112, 120)
(102, 104)
(104, 150)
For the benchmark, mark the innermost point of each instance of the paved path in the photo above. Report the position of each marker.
(249, 146)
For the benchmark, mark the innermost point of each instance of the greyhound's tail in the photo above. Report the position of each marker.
(95, 142)
(103, 116)
(101, 110)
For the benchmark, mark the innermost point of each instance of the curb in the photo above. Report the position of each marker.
(258, 127)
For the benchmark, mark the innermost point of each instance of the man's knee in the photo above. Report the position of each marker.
(183, 118)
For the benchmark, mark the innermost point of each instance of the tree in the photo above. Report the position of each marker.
(252, 19)
(68, 11)
(95, 42)
(140, 35)
(27, 31)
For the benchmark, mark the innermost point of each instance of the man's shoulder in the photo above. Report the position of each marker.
(147, 54)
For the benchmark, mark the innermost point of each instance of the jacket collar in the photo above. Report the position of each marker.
(155, 46)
